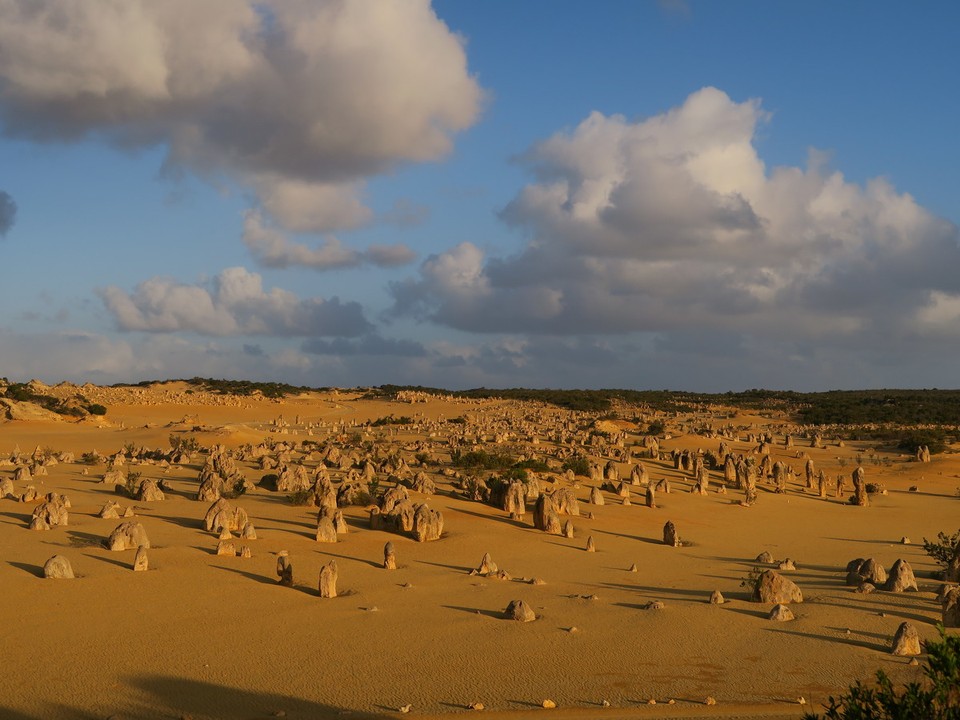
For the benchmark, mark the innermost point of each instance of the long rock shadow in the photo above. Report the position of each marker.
(35, 570)
(111, 561)
(459, 568)
(85, 539)
(179, 697)
(651, 541)
(476, 611)
(842, 641)
(184, 522)
(264, 580)
(355, 559)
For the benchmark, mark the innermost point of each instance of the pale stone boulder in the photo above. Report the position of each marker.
(900, 578)
(772, 587)
(427, 524)
(127, 536)
(58, 568)
(907, 640)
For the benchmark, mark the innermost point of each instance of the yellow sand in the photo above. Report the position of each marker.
(208, 636)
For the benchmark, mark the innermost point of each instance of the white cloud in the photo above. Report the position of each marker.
(235, 304)
(298, 99)
(272, 248)
(673, 224)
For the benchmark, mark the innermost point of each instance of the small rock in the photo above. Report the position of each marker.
(716, 598)
(651, 701)
(549, 704)
(633, 568)
(801, 700)
(787, 565)
(404, 708)
(519, 610)
(655, 605)
(765, 557)
(475, 706)
(605, 703)
(781, 613)
(710, 701)
(904, 540)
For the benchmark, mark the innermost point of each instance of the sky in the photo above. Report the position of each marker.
(471, 193)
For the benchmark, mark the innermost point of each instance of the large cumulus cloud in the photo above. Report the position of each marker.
(299, 100)
(235, 303)
(674, 225)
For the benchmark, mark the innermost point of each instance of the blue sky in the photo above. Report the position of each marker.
(709, 196)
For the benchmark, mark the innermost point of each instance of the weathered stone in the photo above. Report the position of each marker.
(545, 516)
(568, 529)
(716, 598)
(565, 502)
(127, 535)
(149, 491)
(390, 557)
(328, 580)
(772, 587)
(670, 536)
(427, 524)
(487, 566)
(901, 577)
(868, 570)
(907, 640)
(222, 514)
(326, 532)
(58, 568)
(951, 608)
(591, 547)
(285, 569)
(519, 610)
(781, 613)
(596, 497)
(110, 511)
(140, 561)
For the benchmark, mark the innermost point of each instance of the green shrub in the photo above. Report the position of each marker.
(300, 497)
(945, 550)
(96, 409)
(657, 427)
(938, 698)
(579, 466)
(935, 440)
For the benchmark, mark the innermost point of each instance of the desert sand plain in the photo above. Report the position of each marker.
(203, 635)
